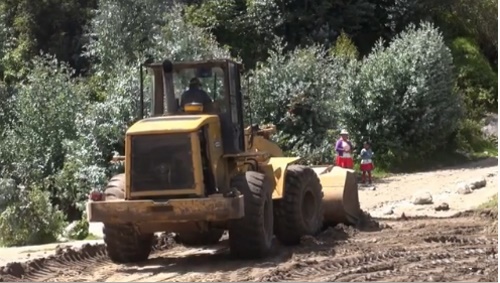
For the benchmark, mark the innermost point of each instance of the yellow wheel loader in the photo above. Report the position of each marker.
(192, 168)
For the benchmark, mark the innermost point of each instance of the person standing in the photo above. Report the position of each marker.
(366, 165)
(344, 148)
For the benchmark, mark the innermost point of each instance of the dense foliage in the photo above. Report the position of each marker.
(69, 84)
(299, 93)
(401, 97)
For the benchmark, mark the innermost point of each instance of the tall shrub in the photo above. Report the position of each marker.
(298, 92)
(476, 79)
(401, 97)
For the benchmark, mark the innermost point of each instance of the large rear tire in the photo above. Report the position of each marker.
(251, 236)
(124, 244)
(210, 237)
(300, 211)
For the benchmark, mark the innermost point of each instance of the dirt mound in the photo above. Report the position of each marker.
(368, 223)
(338, 233)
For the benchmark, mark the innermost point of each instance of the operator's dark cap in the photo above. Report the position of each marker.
(195, 82)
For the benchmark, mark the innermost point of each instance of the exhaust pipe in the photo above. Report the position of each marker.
(168, 87)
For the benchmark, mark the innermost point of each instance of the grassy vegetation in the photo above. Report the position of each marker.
(92, 237)
(445, 159)
(377, 173)
(491, 204)
(491, 208)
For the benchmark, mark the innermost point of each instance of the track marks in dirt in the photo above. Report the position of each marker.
(74, 261)
(407, 250)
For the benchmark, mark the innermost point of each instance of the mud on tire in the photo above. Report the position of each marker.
(124, 244)
(251, 236)
(300, 211)
(210, 237)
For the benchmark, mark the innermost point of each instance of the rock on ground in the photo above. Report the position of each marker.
(442, 207)
(442, 184)
(388, 211)
(464, 189)
(477, 184)
(421, 198)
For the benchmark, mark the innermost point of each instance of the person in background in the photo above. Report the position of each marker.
(344, 148)
(366, 162)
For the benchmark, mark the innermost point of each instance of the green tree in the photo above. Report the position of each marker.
(299, 93)
(28, 218)
(124, 31)
(248, 28)
(344, 48)
(475, 19)
(401, 97)
(44, 109)
(53, 26)
(476, 79)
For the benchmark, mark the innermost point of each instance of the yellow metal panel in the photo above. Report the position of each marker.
(197, 164)
(215, 152)
(171, 124)
(279, 165)
(341, 200)
(176, 210)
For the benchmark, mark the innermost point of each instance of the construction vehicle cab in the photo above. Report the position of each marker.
(220, 79)
(193, 169)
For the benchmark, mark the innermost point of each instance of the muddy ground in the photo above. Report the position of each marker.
(462, 248)
(434, 248)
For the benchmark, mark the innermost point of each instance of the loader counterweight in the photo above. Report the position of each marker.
(213, 208)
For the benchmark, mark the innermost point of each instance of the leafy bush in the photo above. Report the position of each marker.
(344, 47)
(124, 31)
(246, 27)
(28, 217)
(298, 92)
(44, 108)
(475, 77)
(101, 131)
(401, 97)
(79, 230)
(470, 139)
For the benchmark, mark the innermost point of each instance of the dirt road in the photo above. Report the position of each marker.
(396, 192)
(458, 248)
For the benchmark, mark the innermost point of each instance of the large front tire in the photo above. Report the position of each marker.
(300, 211)
(124, 244)
(251, 236)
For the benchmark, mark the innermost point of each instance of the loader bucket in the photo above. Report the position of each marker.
(340, 200)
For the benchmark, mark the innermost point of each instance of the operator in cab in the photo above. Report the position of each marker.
(196, 94)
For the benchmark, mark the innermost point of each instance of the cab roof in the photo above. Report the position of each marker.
(181, 65)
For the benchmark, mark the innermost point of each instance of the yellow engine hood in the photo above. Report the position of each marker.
(171, 124)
